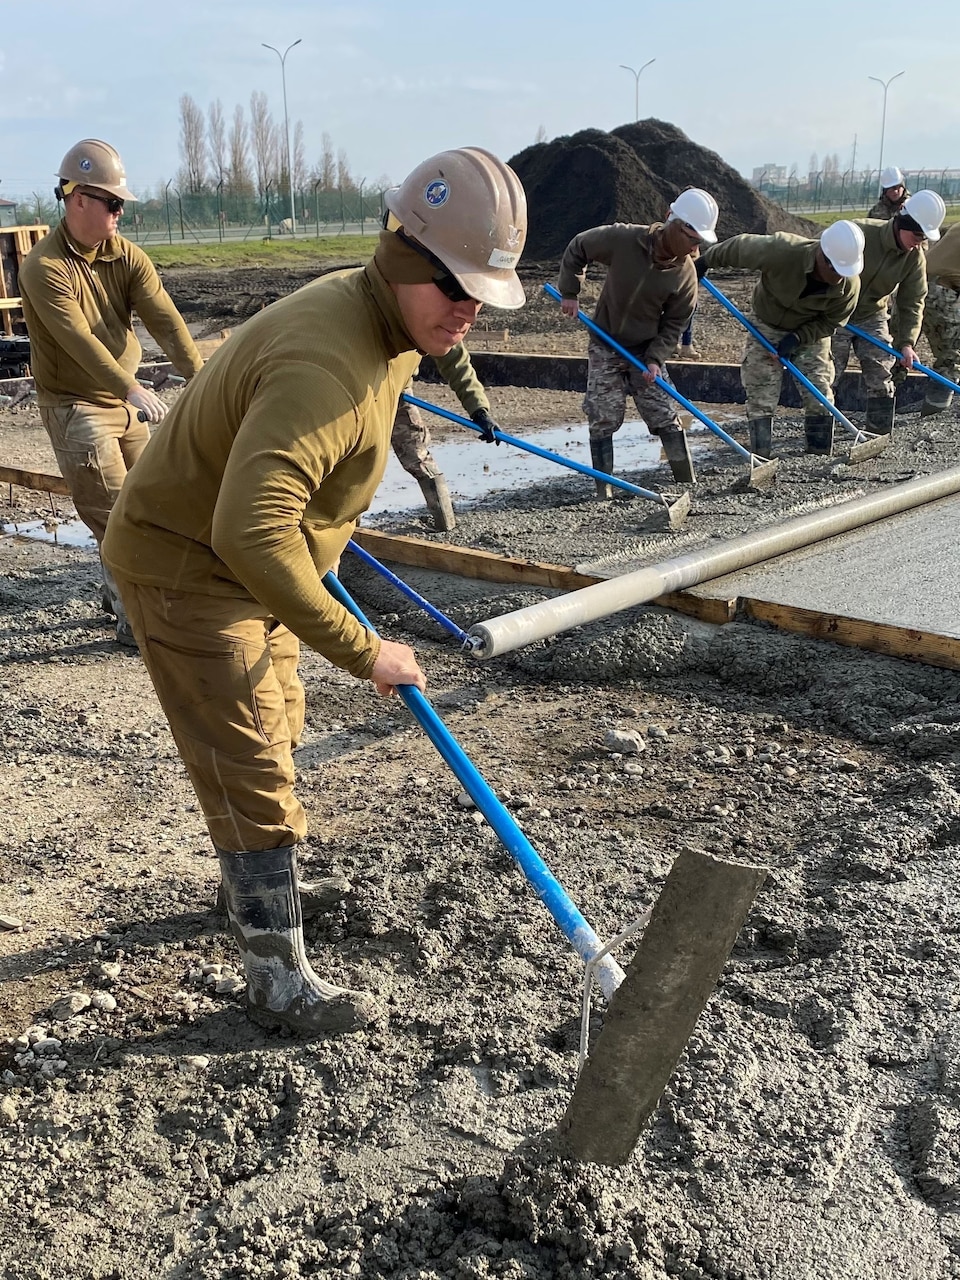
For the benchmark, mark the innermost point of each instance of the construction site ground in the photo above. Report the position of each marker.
(812, 1129)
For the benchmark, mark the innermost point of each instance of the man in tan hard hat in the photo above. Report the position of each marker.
(806, 289)
(80, 285)
(226, 526)
(647, 300)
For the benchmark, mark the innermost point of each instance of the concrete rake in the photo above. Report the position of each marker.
(654, 1005)
(677, 511)
(866, 444)
(763, 471)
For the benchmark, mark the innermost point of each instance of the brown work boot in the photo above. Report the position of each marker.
(688, 352)
(263, 907)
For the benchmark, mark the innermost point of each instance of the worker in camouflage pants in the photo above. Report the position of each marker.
(610, 379)
(410, 439)
(941, 318)
(762, 377)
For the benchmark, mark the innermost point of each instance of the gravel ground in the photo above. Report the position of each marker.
(147, 1129)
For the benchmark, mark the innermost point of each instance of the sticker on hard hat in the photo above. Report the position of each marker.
(501, 258)
(436, 193)
(86, 165)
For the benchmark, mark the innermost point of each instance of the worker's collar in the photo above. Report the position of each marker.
(395, 335)
(105, 251)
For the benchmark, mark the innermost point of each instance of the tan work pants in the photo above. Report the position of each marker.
(95, 448)
(225, 672)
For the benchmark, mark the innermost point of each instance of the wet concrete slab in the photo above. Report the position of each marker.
(903, 571)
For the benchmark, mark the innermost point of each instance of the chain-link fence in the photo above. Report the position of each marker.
(221, 215)
(855, 191)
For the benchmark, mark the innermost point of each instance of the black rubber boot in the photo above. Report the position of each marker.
(263, 907)
(761, 435)
(929, 407)
(818, 429)
(601, 459)
(437, 497)
(880, 414)
(675, 446)
(316, 896)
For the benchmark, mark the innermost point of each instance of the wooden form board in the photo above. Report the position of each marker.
(909, 643)
(15, 244)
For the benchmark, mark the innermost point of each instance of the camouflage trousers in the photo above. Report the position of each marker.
(941, 327)
(410, 440)
(610, 379)
(762, 374)
(876, 366)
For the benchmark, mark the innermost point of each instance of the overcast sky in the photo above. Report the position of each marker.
(394, 83)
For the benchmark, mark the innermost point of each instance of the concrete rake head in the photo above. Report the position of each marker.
(867, 446)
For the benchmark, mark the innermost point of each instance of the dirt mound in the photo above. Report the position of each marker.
(631, 175)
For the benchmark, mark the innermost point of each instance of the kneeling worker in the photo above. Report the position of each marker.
(647, 300)
(227, 524)
(805, 291)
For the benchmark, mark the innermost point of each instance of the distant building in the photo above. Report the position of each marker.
(8, 213)
(769, 175)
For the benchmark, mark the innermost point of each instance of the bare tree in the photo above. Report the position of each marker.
(238, 144)
(541, 135)
(327, 172)
(263, 139)
(193, 149)
(217, 140)
(299, 158)
(813, 166)
(344, 180)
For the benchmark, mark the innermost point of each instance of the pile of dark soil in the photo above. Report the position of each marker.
(631, 175)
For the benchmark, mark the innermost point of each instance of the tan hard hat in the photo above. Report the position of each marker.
(469, 210)
(92, 163)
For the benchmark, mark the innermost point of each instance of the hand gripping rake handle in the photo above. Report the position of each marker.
(787, 364)
(550, 891)
(541, 453)
(672, 392)
(892, 351)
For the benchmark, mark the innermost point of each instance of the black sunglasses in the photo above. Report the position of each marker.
(448, 285)
(114, 203)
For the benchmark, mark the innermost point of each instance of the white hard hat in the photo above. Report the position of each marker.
(927, 209)
(842, 244)
(891, 177)
(698, 210)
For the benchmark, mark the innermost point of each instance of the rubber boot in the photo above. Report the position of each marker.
(437, 497)
(880, 414)
(675, 446)
(316, 896)
(761, 435)
(929, 407)
(601, 459)
(263, 907)
(818, 429)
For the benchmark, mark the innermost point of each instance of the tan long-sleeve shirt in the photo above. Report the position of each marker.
(885, 268)
(943, 258)
(78, 305)
(255, 482)
(786, 295)
(643, 304)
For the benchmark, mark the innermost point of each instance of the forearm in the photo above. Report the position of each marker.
(457, 371)
(167, 328)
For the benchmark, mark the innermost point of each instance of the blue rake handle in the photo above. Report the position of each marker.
(672, 392)
(892, 351)
(787, 364)
(541, 453)
(468, 642)
(550, 891)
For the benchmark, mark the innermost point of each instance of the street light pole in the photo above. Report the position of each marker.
(286, 127)
(885, 85)
(636, 85)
